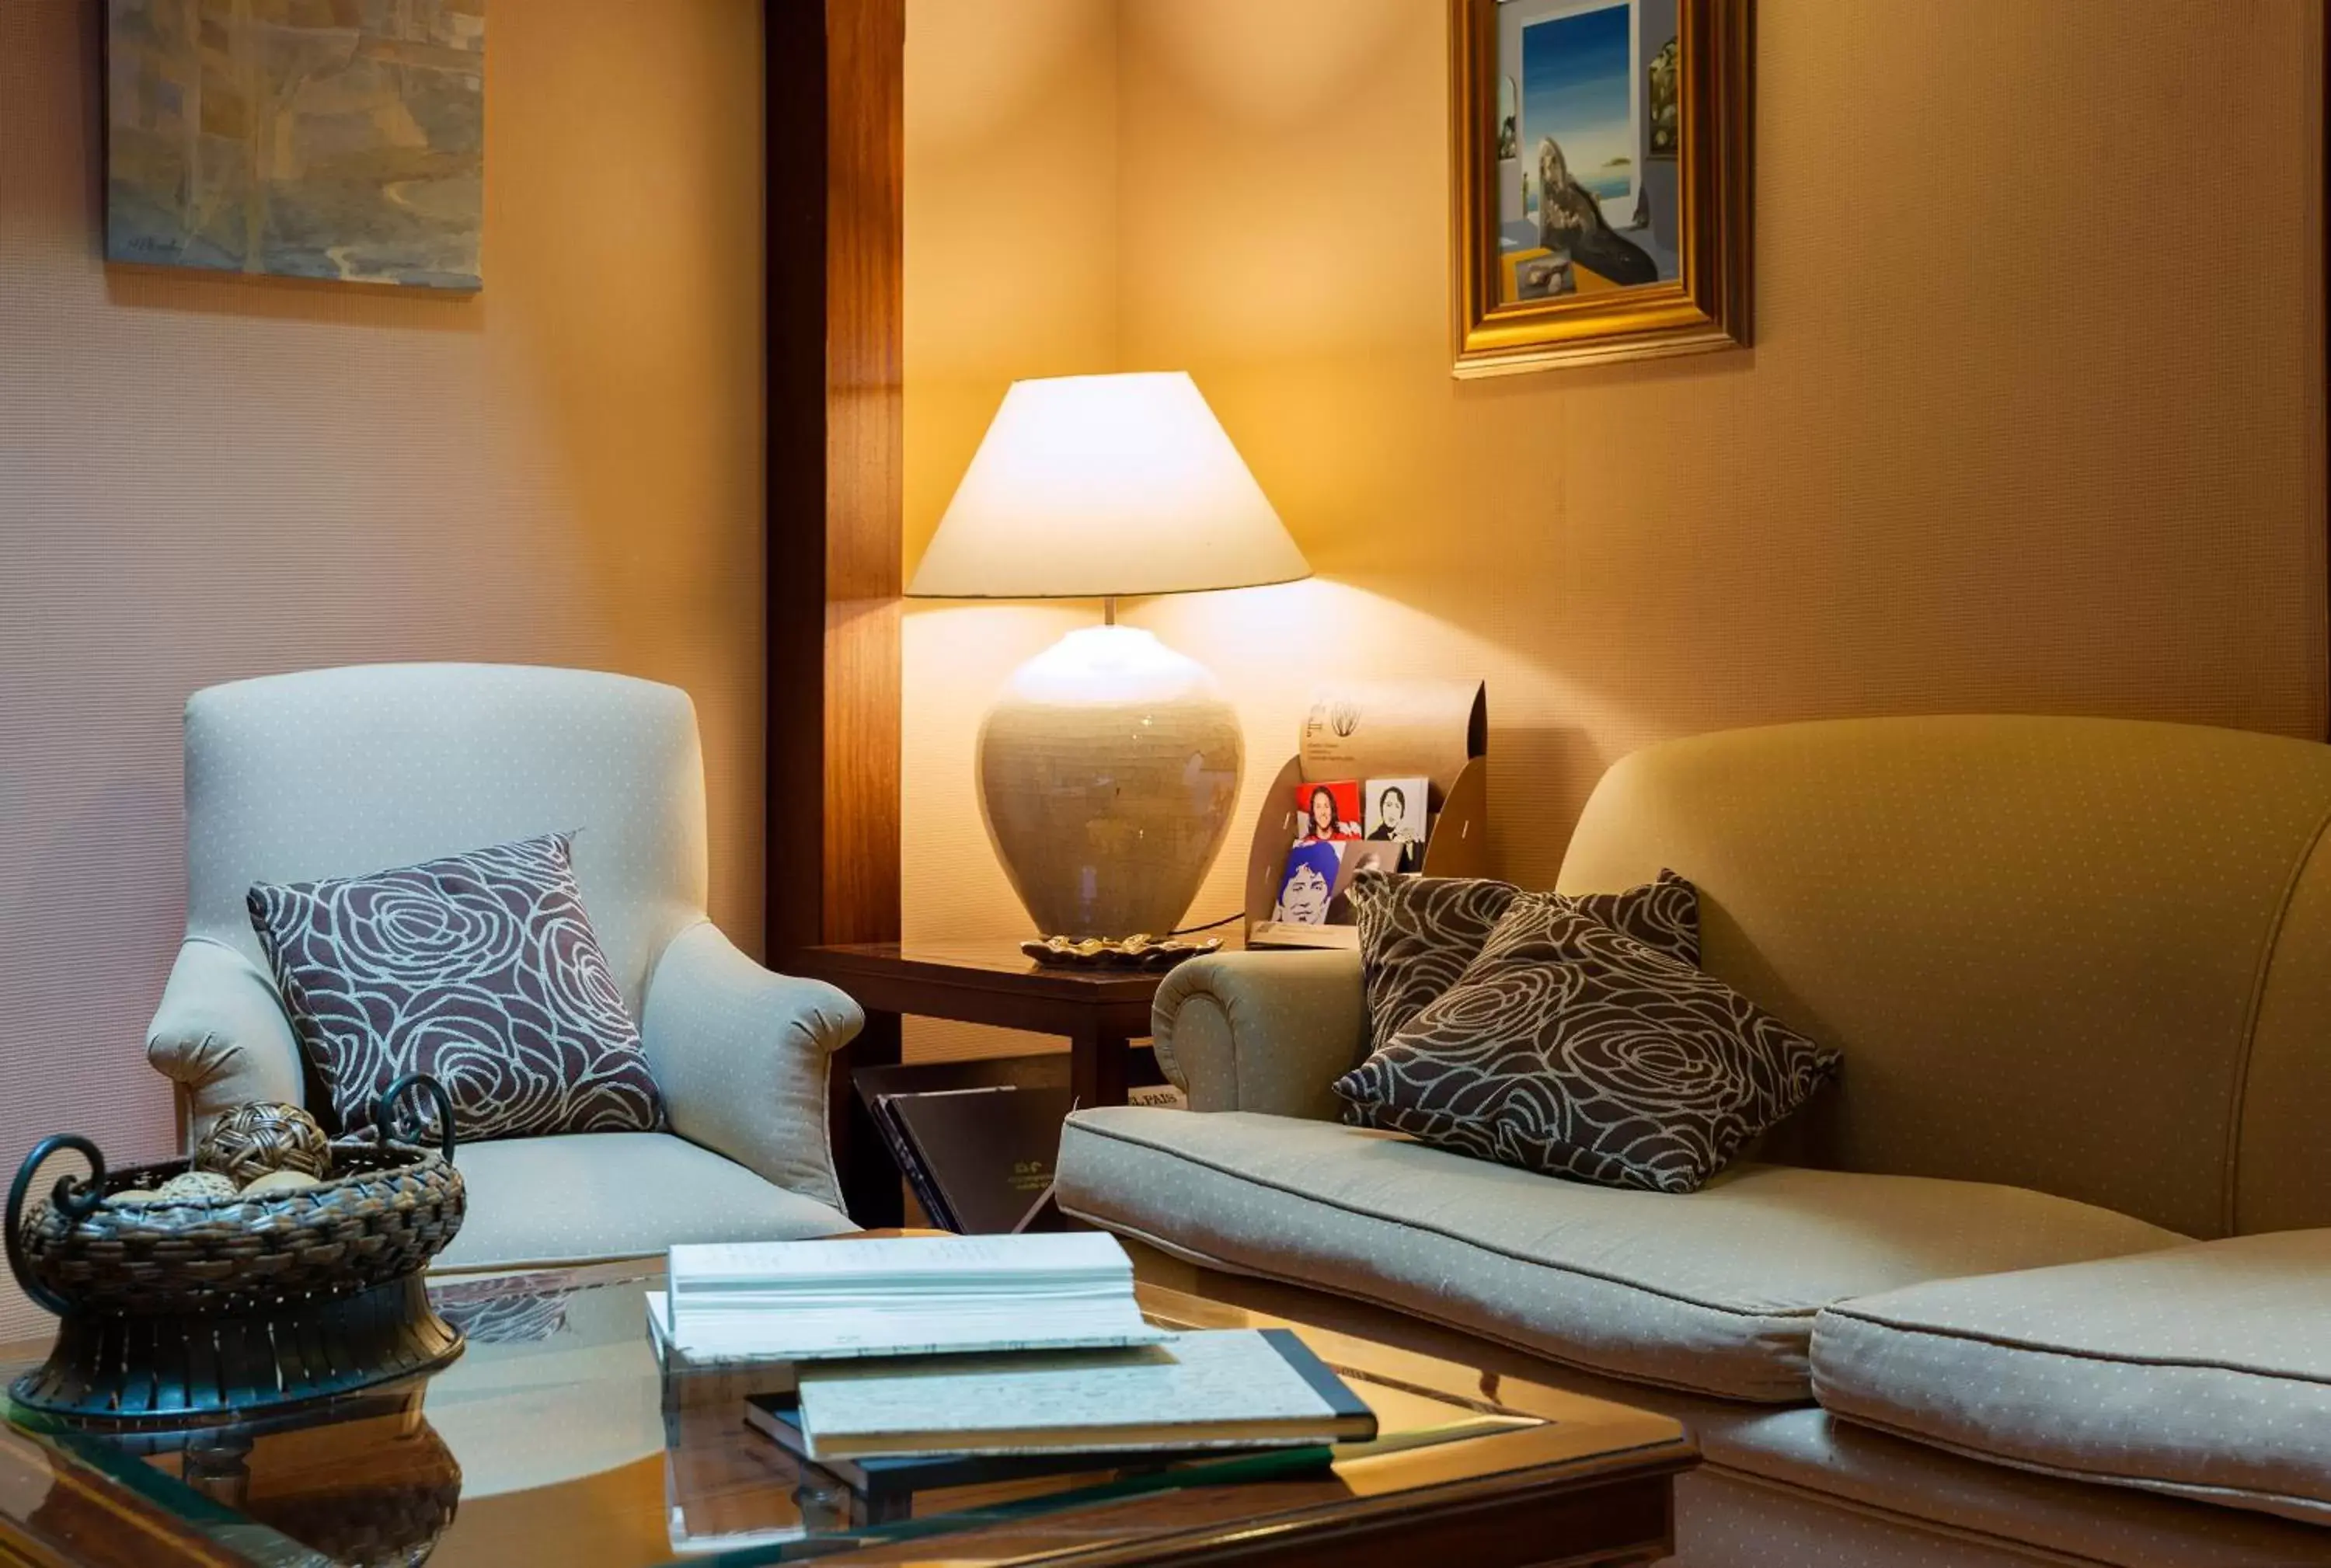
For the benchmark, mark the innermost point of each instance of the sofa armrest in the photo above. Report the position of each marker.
(222, 1036)
(1262, 1032)
(740, 1055)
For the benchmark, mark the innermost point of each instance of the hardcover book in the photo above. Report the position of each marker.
(979, 1158)
(963, 1187)
(1042, 1070)
(778, 1418)
(1225, 1387)
(692, 1382)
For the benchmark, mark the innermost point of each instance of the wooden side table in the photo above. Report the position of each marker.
(1100, 1012)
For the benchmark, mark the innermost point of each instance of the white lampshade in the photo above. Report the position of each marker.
(1091, 487)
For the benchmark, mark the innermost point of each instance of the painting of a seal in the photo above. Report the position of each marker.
(1602, 206)
(1570, 219)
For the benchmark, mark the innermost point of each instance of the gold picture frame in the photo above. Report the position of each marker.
(1675, 277)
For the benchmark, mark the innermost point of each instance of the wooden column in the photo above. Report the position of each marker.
(836, 163)
(836, 172)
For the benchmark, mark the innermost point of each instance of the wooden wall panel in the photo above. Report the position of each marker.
(865, 336)
(836, 149)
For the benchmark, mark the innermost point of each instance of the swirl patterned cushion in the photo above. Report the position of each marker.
(479, 969)
(1417, 934)
(1572, 1047)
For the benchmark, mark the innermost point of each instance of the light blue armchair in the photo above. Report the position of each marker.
(342, 772)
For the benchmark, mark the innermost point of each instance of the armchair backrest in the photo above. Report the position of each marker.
(338, 773)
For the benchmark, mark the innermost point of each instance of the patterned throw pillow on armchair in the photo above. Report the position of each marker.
(480, 969)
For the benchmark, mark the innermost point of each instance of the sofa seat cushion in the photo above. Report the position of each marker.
(2204, 1371)
(585, 1197)
(1713, 1291)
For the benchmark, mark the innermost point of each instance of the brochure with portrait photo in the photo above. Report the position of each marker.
(1396, 814)
(1361, 856)
(1308, 884)
(1327, 811)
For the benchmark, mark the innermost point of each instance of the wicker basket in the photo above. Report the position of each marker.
(394, 1209)
(321, 1284)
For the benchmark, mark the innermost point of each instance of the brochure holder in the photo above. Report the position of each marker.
(1451, 752)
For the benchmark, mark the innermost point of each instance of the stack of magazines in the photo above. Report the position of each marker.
(902, 1361)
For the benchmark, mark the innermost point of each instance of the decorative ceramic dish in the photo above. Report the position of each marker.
(1130, 953)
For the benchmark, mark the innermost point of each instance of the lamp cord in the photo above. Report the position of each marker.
(1209, 925)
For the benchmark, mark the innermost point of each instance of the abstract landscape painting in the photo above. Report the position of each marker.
(340, 139)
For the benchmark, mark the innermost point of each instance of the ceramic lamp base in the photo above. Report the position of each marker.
(1107, 772)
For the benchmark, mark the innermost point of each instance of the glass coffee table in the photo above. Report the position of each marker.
(555, 1440)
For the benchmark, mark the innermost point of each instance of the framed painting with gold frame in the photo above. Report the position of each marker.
(1635, 115)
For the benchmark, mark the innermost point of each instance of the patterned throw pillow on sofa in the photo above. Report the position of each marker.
(1417, 934)
(479, 969)
(1572, 1047)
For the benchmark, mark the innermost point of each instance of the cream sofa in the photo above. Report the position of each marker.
(2080, 971)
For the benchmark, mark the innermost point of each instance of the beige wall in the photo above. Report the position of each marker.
(1011, 271)
(2034, 419)
(202, 478)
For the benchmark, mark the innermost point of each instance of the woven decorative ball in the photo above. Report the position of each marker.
(278, 1181)
(197, 1187)
(254, 1140)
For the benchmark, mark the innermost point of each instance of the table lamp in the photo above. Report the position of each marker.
(1110, 765)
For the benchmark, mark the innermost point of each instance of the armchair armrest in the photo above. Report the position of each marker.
(1262, 1032)
(740, 1055)
(221, 1035)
